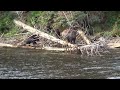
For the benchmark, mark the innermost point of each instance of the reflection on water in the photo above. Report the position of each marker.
(38, 64)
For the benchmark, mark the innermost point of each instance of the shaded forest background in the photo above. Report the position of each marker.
(103, 23)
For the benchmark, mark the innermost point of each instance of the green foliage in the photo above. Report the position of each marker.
(112, 17)
(6, 22)
(12, 32)
(106, 34)
(111, 26)
(39, 17)
(116, 30)
(60, 22)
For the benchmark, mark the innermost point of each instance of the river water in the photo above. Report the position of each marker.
(38, 64)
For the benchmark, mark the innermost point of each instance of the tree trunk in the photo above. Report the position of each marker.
(5, 45)
(84, 37)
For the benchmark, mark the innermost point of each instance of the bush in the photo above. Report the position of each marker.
(39, 17)
(6, 22)
(105, 22)
(12, 32)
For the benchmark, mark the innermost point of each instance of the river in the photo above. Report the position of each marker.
(38, 64)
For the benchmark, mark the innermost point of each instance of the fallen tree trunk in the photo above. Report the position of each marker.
(47, 36)
(89, 49)
(42, 34)
(113, 45)
(44, 48)
(84, 37)
(6, 45)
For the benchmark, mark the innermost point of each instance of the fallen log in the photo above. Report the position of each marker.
(47, 36)
(6, 45)
(44, 48)
(42, 34)
(84, 37)
(89, 50)
(113, 45)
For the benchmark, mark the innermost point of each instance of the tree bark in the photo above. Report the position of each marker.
(5, 45)
(84, 37)
(113, 45)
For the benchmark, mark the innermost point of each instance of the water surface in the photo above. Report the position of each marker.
(38, 64)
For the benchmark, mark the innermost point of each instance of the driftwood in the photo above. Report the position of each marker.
(44, 48)
(42, 34)
(90, 49)
(47, 36)
(84, 37)
(113, 45)
(6, 45)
